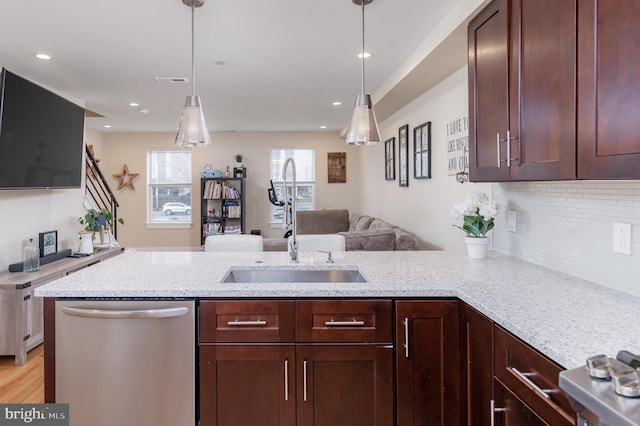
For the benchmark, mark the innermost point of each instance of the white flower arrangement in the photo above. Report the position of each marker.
(478, 213)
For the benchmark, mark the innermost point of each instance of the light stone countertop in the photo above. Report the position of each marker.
(565, 318)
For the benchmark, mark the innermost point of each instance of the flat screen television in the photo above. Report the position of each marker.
(41, 137)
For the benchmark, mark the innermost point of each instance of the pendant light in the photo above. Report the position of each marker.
(192, 130)
(363, 129)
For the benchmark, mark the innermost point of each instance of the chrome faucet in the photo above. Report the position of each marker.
(290, 208)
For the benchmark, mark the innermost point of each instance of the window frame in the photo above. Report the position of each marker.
(278, 183)
(151, 188)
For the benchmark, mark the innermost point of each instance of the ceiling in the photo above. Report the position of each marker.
(261, 65)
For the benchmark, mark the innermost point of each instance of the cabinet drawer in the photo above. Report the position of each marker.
(527, 374)
(247, 321)
(356, 321)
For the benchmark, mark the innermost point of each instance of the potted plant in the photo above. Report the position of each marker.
(95, 221)
(478, 213)
(238, 158)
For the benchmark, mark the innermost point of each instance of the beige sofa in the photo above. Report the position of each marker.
(361, 232)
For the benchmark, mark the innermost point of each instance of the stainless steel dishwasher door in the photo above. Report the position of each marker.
(126, 363)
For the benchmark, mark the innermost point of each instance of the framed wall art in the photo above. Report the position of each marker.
(48, 242)
(390, 159)
(422, 151)
(336, 167)
(403, 155)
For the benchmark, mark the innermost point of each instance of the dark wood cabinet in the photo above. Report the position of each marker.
(344, 385)
(508, 410)
(247, 385)
(476, 349)
(522, 91)
(288, 363)
(532, 377)
(608, 105)
(427, 363)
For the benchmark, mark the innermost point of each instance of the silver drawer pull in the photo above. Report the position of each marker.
(353, 323)
(545, 393)
(246, 323)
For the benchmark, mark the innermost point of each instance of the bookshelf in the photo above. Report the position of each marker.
(222, 209)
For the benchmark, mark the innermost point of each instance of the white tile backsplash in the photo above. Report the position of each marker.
(568, 226)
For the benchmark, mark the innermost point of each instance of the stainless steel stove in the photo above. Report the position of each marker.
(608, 388)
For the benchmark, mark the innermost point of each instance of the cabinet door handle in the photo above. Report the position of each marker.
(406, 337)
(545, 393)
(304, 381)
(495, 410)
(498, 149)
(286, 379)
(353, 323)
(246, 323)
(509, 157)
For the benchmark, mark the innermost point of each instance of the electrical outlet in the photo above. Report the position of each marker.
(622, 238)
(511, 220)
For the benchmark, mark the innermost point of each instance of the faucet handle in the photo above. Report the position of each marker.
(329, 259)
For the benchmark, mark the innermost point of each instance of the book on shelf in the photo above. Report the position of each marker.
(216, 190)
(232, 229)
(211, 229)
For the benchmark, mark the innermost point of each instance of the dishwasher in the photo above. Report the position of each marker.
(126, 362)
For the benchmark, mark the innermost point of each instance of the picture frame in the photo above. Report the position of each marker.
(403, 155)
(336, 167)
(48, 243)
(422, 151)
(390, 159)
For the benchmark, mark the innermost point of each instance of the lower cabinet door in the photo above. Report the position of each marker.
(428, 363)
(510, 411)
(247, 385)
(344, 385)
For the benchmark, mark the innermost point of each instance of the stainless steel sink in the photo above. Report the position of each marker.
(293, 276)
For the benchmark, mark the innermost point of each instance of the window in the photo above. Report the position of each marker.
(169, 186)
(305, 178)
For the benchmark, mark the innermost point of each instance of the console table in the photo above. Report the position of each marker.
(21, 314)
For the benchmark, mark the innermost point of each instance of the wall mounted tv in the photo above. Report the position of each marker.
(41, 137)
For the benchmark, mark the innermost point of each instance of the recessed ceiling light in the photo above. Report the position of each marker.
(143, 110)
(336, 103)
(134, 104)
(366, 55)
(43, 56)
(323, 127)
(107, 126)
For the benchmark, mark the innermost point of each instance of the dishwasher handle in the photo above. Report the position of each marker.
(126, 314)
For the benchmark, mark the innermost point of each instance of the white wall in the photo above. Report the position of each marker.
(423, 207)
(131, 149)
(26, 213)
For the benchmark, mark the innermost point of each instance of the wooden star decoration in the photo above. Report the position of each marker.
(126, 178)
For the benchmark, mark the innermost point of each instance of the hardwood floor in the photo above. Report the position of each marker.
(23, 383)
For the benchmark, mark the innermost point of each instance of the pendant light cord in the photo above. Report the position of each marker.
(193, 52)
(363, 47)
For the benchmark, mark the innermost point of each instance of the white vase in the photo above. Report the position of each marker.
(477, 247)
(86, 243)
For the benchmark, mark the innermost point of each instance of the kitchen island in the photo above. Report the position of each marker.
(565, 318)
(419, 333)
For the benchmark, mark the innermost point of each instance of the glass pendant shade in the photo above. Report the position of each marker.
(192, 130)
(363, 129)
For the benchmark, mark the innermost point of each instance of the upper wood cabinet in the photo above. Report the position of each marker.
(522, 91)
(609, 101)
